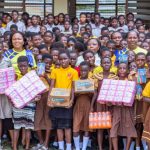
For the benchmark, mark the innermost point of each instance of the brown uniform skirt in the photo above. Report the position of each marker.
(81, 113)
(138, 111)
(146, 132)
(42, 121)
(102, 107)
(122, 122)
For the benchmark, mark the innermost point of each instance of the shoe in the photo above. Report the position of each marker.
(37, 147)
(43, 148)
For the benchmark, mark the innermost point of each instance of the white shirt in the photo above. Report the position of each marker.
(35, 29)
(66, 32)
(97, 60)
(20, 25)
(2, 31)
(113, 29)
(124, 28)
(49, 27)
(96, 30)
(60, 27)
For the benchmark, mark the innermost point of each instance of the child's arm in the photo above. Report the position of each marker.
(51, 85)
(146, 99)
(48, 79)
(93, 101)
(72, 91)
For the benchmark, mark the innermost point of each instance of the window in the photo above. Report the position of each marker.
(33, 7)
(10, 5)
(39, 7)
(111, 7)
(107, 8)
(84, 6)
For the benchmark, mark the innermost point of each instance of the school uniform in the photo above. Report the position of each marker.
(100, 77)
(113, 29)
(19, 24)
(96, 29)
(82, 109)
(123, 123)
(35, 29)
(124, 28)
(146, 131)
(99, 69)
(2, 31)
(81, 113)
(138, 103)
(49, 27)
(62, 117)
(42, 120)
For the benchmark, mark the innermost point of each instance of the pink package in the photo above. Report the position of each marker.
(118, 92)
(7, 78)
(25, 90)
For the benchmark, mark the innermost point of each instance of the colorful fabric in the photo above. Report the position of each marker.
(141, 78)
(24, 118)
(118, 54)
(13, 56)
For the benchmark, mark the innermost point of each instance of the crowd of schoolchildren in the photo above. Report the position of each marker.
(88, 47)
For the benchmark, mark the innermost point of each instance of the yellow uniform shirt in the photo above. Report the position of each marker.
(99, 69)
(4, 25)
(139, 50)
(113, 59)
(146, 91)
(64, 77)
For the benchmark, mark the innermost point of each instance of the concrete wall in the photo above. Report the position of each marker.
(60, 6)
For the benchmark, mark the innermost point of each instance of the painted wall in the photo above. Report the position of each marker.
(60, 6)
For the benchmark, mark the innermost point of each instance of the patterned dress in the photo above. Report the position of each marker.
(24, 117)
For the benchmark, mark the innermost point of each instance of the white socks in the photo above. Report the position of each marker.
(89, 143)
(132, 145)
(145, 146)
(55, 143)
(137, 148)
(85, 142)
(124, 143)
(81, 145)
(77, 142)
(68, 146)
(61, 145)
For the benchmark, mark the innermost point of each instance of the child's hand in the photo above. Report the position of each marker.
(109, 104)
(91, 109)
(45, 76)
(37, 98)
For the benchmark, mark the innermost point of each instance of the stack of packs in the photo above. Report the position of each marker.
(40, 68)
(59, 97)
(25, 90)
(84, 86)
(100, 120)
(117, 92)
(7, 78)
(141, 76)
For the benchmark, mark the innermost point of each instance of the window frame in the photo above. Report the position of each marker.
(98, 4)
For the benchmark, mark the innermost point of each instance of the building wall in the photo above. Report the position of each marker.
(60, 6)
(141, 9)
